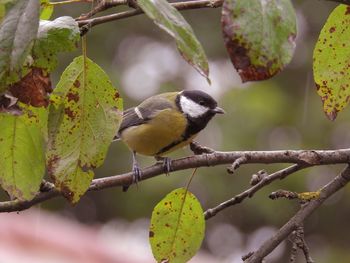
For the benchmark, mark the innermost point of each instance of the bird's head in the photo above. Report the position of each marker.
(196, 104)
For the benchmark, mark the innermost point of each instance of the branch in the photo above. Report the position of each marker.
(298, 241)
(306, 210)
(69, 2)
(251, 191)
(102, 6)
(196, 4)
(301, 157)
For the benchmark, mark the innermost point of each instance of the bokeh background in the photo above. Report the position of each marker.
(282, 113)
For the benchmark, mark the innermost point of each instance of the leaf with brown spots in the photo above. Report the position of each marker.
(33, 88)
(331, 63)
(259, 36)
(22, 147)
(177, 227)
(84, 117)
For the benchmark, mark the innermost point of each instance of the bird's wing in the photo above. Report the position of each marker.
(144, 112)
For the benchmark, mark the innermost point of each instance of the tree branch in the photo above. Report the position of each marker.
(306, 210)
(298, 241)
(196, 4)
(69, 2)
(301, 157)
(251, 191)
(102, 6)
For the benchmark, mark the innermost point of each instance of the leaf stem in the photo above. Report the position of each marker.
(83, 45)
(67, 2)
(190, 180)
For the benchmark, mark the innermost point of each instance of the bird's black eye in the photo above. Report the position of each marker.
(202, 102)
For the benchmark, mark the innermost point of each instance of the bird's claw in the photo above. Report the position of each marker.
(166, 163)
(136, 177)
(137, 174)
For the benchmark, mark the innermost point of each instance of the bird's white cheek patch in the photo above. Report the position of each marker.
(192, 108)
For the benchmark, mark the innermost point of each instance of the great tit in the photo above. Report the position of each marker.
(164, 123)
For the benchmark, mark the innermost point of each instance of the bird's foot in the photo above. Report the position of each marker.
(137, 174)
(136, 177)
(166, 161)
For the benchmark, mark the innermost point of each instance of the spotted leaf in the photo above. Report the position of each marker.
(85, 113)
(177, 227)
(259, 36)
(332, 62)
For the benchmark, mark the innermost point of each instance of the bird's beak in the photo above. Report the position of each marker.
(218, 110)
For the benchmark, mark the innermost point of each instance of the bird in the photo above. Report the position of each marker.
(164, 123)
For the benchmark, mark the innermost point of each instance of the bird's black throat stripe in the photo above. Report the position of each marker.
(169, 146)
(191, 129)
(184, 137)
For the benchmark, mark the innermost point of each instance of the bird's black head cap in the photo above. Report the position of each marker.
(200, 98)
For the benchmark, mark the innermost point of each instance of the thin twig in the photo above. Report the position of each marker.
(298, 241)
(283, 194)
(179, 6)
(306, 210)
(102, 6)
(69, 2)
(251, 191)
(303, 197)
(301, 157)
(198, 149)
(293, 253)
(257, 177)
(236, 164)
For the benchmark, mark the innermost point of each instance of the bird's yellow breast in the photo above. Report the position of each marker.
(164, 129)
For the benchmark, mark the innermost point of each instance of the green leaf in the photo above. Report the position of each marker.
(22, 147)
(177, 227)
(17, 32)
(259, 36)
(61, 34)
(46, 9)
(172, 22)
(331, 62)
(85, 113)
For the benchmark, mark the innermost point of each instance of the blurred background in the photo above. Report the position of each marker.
(282, 113)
